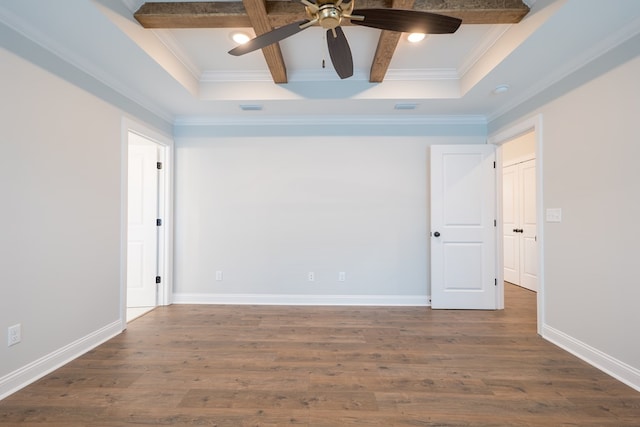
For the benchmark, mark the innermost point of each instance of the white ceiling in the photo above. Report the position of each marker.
(187, 76)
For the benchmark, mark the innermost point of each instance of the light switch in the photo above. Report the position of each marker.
(554, 215)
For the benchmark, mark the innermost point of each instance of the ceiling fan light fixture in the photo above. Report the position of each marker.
(240, 37)
(416, 37)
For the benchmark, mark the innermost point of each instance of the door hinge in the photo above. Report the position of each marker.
(495, 223)
(159, 222)
(159, 165)
(158, 279)
(495, 282)
(494, 165)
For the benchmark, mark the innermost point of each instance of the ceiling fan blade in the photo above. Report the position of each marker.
(406, 21)
(340, 52)
(268, 38)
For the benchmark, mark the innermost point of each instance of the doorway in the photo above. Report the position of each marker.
(147, 221)
(519, 212)
(530, 133)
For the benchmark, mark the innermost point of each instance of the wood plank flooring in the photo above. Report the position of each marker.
(201, 365)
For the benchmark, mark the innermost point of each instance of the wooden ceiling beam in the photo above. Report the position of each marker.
(257, 11)
(234, 15)
(265, 15)
(387, 43)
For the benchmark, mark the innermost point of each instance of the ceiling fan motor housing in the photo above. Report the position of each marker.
(329, 13)
(329, 16)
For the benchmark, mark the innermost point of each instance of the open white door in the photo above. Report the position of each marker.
(142, 248)
(463, 233)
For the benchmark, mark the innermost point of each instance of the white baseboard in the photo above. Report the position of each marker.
(611, 366)
(32, 372)
(266, 299)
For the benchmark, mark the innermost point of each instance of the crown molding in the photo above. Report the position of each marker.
(605, 45)
(491, 37)
(168, 39)
(213, 76)
(309, 120)
(34, 35)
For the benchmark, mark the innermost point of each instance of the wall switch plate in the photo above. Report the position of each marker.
(14, 335)
(342, 276)
(311, 277)
(219, 276)
(554, 215)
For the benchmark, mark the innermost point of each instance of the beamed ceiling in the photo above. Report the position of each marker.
(264, 16)
(171, 58)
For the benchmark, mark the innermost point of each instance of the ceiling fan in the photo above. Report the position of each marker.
(329, 15)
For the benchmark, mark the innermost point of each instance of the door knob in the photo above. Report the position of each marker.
(437, 234)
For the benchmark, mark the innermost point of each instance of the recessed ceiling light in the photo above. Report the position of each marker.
(500, 89)
(416, 37)
(240, 37)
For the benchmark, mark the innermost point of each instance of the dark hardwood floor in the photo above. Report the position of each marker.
(203, 365)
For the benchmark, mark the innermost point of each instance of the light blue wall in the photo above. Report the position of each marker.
(268, 210)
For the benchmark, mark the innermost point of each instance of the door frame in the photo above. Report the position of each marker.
(165, 202)
(532, 124)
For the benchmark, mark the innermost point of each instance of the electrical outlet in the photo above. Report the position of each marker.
(14, 335)
(342, 276)
(311, 276)
(219, 276)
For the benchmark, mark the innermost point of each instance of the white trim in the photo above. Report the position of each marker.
(490, 38)
(167, 38)
(308, 120)
(33, 371)
(268, 299)
(549, 79)
(429, 74)
(531, 124)
(35, 35)
(614, 367)
(313, 75)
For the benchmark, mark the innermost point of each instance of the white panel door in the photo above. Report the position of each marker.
(142, 248)
(510, 221)
(519, 212)
(528, 240)
(463, 233)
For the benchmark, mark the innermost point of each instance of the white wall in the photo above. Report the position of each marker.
(266, 211)
(60, 189)
(519, 149)
(590, 170)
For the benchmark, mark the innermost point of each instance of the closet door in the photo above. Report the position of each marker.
(519, 220)
(528, 238)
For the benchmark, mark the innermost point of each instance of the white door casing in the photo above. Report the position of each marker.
(463, 232)
(142, 247)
